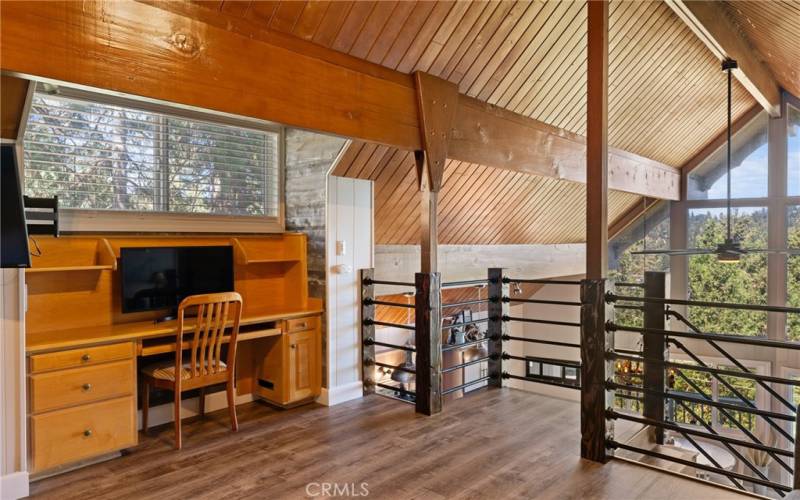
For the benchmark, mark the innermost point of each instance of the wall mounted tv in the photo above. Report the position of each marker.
(157, 278)
(13, 231)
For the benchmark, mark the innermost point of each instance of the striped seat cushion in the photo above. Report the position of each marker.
(165, 370)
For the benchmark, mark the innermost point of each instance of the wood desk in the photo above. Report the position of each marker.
(83, 398)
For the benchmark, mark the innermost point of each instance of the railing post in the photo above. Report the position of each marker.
(595, 368)
(497, 309)
(367, 331)
(654, 350)
(428, 340)
(796, 478)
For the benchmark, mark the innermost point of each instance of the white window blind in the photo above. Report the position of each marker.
(98, 156)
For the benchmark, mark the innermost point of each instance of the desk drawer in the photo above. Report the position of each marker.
(65, 436)
(80, 357)
(301, 324)
(63, 388)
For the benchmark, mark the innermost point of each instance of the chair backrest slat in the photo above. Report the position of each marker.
(213, 311)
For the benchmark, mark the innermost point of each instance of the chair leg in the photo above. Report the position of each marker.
(202, 400)
(145, 405)
(232, 406)
(177, 419)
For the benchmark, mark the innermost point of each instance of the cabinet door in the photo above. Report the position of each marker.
(304, 365)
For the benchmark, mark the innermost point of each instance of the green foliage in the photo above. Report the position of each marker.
(793, 273)
(744, 282)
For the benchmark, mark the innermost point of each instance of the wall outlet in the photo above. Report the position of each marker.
(341, 247)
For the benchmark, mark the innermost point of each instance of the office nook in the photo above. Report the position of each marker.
(400, 249)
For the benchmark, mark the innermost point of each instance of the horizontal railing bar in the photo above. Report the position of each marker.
(695, 432)
(629, 352)
(384, 323)
(612, 297)
(391, 346)
(543, 301)
(393, 367)
(707, 369)
(628, 396)
(541, 321)
(393, 388)
(538, 341)
(474, 321)
(392, 283)
(625, 306)
(699, 400)
(455, 284)
(541, 281)
(720, 337)
(465, 385)
(689, 463)
(370, 302)
(465, 303)
(629, 285)
(540, 381)
(464, 365)
(452, 347)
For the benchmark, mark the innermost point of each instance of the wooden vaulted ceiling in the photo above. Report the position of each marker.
(773, 28)
(666, 99)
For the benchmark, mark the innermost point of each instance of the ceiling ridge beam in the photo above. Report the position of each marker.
(712, 24)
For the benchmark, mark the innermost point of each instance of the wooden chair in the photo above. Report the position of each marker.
(204, 366)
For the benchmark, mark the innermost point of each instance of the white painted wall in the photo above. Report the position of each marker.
(349, 214)
(13, 455)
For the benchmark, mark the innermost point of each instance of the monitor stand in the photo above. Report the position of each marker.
(171, 315)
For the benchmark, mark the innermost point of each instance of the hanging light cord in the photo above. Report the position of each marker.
(728, 65)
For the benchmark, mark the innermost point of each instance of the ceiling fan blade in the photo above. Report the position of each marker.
(790, 251)
(687, 251)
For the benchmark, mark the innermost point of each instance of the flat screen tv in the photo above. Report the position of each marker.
(13, 231)
(155, 278)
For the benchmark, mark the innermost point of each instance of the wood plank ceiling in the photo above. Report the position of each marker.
(666, 99)
(773, 28)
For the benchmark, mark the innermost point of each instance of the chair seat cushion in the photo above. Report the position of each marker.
(165, 370)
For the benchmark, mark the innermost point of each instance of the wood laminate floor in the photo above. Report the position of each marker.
(490, 445)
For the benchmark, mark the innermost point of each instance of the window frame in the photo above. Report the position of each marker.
(74, 220)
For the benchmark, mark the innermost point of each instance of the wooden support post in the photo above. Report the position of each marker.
(367, 331)
(597, 142)
(498, 308)
(595, 369)
(428, 340)
(429, 220)
(654, 348)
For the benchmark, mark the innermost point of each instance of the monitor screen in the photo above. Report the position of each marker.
(13, 231)
(160, 277)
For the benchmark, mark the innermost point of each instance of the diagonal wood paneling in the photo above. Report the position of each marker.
(666, 99)
(773, 28)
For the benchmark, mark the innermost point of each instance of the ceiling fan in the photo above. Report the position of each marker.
(731, 250)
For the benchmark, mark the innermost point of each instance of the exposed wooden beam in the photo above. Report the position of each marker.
(597, 141)
(14, 96)
(712, 24)
(182, 53)
(492, 136)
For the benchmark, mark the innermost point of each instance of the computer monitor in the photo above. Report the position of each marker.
(156, 278)
(13, 231)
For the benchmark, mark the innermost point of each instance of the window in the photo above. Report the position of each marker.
(749, 167)
(793, 272)
(744, 283)
(109, 157)
(624, 267)
(691, 383)
(794, 151)
(560, 371)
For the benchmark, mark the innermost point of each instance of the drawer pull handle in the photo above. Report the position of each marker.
(301, 325)
(87, 387)
(87, 433)
(293, 346)
(85, 358)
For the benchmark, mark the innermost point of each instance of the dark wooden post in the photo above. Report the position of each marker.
(428, 340)
(367, 331)
(654, 349)
(497, 309)
(595, 368)
(796, 479)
